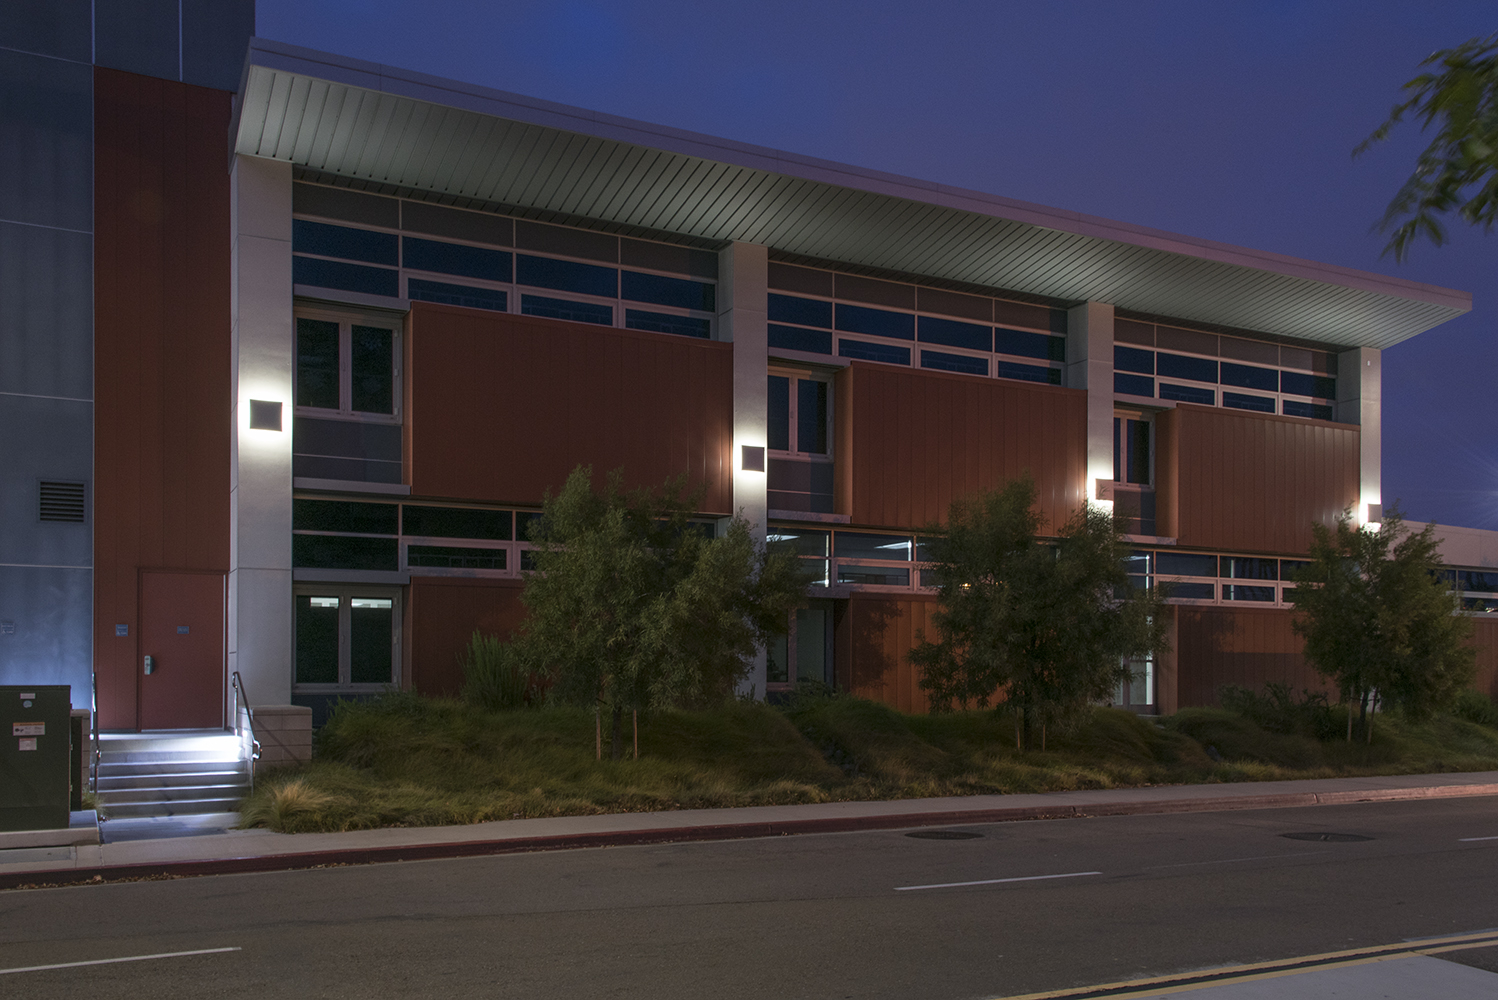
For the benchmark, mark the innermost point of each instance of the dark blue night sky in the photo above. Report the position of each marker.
(1228, 121)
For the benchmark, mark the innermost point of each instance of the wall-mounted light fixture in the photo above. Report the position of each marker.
(753, 459)
(265, 415)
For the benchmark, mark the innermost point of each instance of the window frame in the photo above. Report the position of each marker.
(346, 592)
(347, 318)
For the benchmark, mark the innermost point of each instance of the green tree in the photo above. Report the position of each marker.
(1458, 171)
(633, 606)
(1379, 618)
(1045, 624)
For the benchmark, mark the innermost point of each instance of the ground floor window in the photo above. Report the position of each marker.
(1138, 693)
(347, 637)
(804, 652)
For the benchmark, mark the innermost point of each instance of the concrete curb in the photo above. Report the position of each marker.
(723, 831)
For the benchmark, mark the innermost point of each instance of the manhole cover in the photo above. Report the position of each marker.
(1328, 838)
(944, 835)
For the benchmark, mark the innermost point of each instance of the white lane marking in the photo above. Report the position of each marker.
(991, 881)
(112, 961)
(1468, 840)
(1228, 861)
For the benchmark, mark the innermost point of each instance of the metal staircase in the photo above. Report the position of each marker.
(186, 772)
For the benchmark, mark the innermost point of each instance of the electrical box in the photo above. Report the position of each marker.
(35, 757)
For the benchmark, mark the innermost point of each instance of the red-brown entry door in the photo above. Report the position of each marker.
(182, 631)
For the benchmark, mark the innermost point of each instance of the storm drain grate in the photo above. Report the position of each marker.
(61, 501)
(1328, 838)
(944, 835)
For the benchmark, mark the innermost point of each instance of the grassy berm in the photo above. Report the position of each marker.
(402, 760)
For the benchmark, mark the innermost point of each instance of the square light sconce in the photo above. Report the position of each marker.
(1375, 513)
(753, 460)
(1103, 489)
(265, 415)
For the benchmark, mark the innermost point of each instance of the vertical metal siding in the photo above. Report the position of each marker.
(910, 442)
(1247, 647)
(161, 352)
(1252, 482)
(444, 613)
(872, 641)
(503, 407)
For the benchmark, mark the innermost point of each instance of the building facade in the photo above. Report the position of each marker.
(299, 344)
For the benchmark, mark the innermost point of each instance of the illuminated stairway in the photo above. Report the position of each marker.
(171, 774)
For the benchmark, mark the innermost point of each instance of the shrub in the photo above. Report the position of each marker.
(1474, 706)
(1277, 710)
(495, 675)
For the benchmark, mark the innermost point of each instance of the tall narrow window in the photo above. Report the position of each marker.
(346, 423)
(1131, 450)
(346, 637)
(811, 416)
(373, 375)
(317, 363)
(799, 438)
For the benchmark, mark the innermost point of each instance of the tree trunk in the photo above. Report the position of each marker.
(616, 751)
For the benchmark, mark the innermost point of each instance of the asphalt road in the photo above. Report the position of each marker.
(868, 915)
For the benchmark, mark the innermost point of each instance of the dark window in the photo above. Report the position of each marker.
(454, 258)
(577, 312)
(346, 277)
(803, 312)
(1185, 564)
(1250, 568)
(1192, 591)
(857, 545)
(341, 203)
(951, 333)
(566, 276)
(811, 416)
(1179, 366)
(523, 522)
(1296, 408)
(682, 326)
(1131, 450)
(1478, 581)
(1027, 373)
(780, 413)
(455, 522)
(954, 363)
(1289, 567)
(316, 639)
(450, 557)
(457, 295)
(317, 363)
(662, 291)
(799, 542)
(371, 649)
(373, 370)
(1028, 345)
(875, 322)
(873, 576)
(1131, 359)
(865, 351)
(344, 515)
(566, 241)
(1239, 401)
(1187, 394)
(1133, 385)
(480, 227)
(343, 552)
(340, 241)
(1239, 592)
(1248, 377)
(1318, 386)
(790, 338)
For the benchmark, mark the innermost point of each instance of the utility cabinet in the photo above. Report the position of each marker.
(35, 757)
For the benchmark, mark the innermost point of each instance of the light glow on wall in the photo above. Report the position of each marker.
(262, 393)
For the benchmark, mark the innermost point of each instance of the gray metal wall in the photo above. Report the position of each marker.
(47, 52)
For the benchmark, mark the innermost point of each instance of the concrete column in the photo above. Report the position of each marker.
(1359, 398)
(1089, 366)
(260, 610)
(743, 313)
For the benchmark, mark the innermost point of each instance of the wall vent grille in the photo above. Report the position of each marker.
(62, 502)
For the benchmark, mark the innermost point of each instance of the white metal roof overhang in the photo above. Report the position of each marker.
(379, 125)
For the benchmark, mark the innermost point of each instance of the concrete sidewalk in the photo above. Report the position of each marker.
(262, 850)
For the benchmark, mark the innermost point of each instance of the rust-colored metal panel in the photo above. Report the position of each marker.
(1248, 647)
(1485, 639)
(503, 407)
(182, 631)
(912, 441)
(873, 642)
(444, 612)
(161, 354)
(1249, 481)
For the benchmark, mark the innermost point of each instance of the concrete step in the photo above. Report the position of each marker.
(214, 740)
(183, 807)
(176, 765)
(182, 793)
(128, 777)
(167, 756)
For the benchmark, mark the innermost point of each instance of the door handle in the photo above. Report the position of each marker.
(150, 664)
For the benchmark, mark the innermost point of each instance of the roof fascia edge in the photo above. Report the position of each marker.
(397, 82)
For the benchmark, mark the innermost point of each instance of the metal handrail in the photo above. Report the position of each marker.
(242, 702)
(93, 769)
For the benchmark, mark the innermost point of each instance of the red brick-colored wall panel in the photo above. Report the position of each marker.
(1485, 639)
(503, 407)
(873, 638)
(1247, 647)
(910, 442)
(1252, 482)
(443, 613)
(161, 352)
